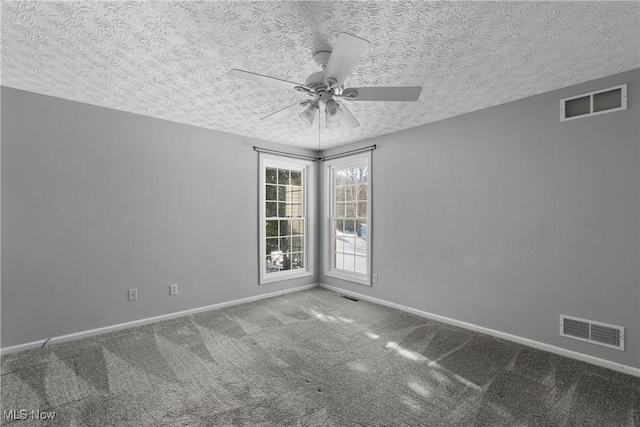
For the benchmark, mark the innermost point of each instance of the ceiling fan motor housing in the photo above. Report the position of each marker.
(318, 88)
(334, 112)
(314, 79)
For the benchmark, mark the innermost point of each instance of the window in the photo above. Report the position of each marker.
(284, 222)
(349, 214)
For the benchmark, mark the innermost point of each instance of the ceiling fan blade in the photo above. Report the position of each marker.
(406, 93)
(263, 79)
(346, 53)
(286, 111)
(347, 121)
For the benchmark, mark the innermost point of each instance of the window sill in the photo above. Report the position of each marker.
(285, 275)
(355, 278)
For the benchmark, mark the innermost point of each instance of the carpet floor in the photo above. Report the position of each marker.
(309, 358)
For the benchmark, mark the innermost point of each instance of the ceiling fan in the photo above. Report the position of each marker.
(326, 87)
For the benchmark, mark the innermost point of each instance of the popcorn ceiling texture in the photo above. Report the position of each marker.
(169, 59)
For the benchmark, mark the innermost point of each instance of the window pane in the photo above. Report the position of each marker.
(297, 260)
(282, 193)
(362, 209)
(340, 210)
(341, 177)
(364, 174)
(285, 228)
(350, 193)
(340, 194)
(294, 210)
(349, 226)
(349, 178)
(348, 245)
(295, 194)
(272, 228)
(286, 262)
(273, 261)
(271, 210)
(283, 177)
(361, 228)
(361, 264)
(297, 227)
(361, 191)
(296, 178)
(271, 175)
(338, 260)
(349, 262)
(272, 245)
(350, 210)
(296, 244)
(285, 244)
(338, 235)
(282, 209)
(360, 241)
(271, 192)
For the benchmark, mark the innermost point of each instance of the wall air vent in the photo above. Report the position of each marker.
(594, 332)
(594, 103)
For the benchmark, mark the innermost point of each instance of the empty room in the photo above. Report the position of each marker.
(320, 213)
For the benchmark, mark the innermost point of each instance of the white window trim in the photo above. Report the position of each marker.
(308, 206)
(329, 197)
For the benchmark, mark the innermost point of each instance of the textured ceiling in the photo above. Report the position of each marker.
(170, 59)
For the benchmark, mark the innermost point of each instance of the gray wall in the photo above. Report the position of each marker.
(507, 218)
(96, 201)
(504, 218)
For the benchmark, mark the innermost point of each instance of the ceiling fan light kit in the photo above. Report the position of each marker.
(333, 111)
(332, 125)
(326, 85)
(309, 113)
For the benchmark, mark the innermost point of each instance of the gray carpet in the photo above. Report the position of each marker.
(310, 358)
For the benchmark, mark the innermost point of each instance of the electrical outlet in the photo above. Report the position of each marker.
(133, 294)
(375, 278)
(173, 289)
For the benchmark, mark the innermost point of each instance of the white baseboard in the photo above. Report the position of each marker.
(119, 326)
(514, 338)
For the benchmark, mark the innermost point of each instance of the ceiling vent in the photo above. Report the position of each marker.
(594, 332)
(594, 103)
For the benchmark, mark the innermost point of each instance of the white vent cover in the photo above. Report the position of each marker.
(594, 332)
(594, 103)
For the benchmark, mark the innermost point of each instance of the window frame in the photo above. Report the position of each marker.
(308, 198)
(330, 209)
